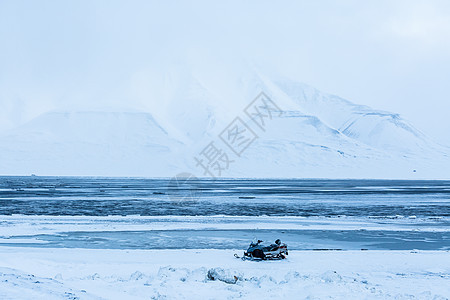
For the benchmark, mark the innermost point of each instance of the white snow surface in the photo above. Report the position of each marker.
(32, 273)
(317, 135)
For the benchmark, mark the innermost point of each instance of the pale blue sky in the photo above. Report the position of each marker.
(391, 55)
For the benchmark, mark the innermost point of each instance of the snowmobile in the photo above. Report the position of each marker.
(257, 251)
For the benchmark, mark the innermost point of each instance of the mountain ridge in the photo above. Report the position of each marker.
(318, 135)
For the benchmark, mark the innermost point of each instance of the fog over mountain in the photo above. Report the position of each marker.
(306, 133)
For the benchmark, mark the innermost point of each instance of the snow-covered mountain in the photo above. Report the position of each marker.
(88, 142)
(310, 134)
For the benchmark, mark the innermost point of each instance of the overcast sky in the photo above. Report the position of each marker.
(390, 55)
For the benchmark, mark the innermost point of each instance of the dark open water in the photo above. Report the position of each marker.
(156, 197)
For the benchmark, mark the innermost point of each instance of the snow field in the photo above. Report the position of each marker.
(33, 273)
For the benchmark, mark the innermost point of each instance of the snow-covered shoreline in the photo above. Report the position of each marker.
(27, 273)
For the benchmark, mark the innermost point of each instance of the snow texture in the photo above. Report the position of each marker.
(216, 274)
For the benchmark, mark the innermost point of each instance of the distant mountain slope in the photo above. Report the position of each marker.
(89, 143)
(317, 135)
(379, 129)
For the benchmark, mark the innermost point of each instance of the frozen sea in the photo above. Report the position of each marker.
(131, 213)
